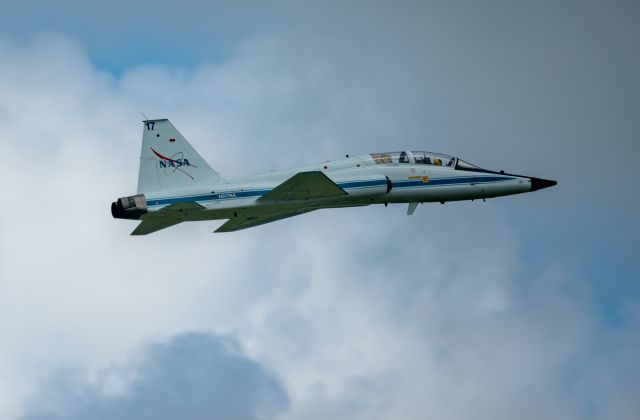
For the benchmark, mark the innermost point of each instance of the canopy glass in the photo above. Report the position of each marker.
(437, 159)
(423, 158)
(417, 158)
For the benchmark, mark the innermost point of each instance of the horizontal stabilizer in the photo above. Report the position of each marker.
(239, 223)
(167, 217)
(304, 186)
(155, 223)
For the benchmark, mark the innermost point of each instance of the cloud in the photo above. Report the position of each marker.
(194, 376)
(469, 309)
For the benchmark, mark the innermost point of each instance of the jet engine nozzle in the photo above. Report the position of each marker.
(129, 207)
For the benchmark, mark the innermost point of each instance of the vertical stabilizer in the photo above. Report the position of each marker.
(168, 162)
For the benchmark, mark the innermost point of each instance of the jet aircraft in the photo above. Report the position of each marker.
(176, 185)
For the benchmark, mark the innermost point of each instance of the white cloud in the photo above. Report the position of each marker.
(361, 313)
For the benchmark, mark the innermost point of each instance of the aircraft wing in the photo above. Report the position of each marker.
(239, 223)
(167, 217)
(300, 187)
(304, 186)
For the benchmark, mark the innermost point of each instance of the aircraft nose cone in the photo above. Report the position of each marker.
(539, 183)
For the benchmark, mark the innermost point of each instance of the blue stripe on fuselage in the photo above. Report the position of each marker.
(233, 195)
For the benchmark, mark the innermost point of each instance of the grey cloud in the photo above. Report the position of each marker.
(193, 376)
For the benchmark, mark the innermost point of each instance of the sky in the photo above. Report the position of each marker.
(518, 307)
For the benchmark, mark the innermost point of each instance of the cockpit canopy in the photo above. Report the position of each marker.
(437, 159)
(390, 157)
(415, 157)
(422, 158)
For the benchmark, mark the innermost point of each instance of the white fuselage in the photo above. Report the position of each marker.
(365, 181)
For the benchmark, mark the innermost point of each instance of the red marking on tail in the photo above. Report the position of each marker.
(176, 168)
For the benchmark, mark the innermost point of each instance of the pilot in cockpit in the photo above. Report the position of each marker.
(422, 159)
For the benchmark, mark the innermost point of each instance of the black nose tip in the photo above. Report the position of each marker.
(539, 183)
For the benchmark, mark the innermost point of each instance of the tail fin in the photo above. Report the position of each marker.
(168, 162)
